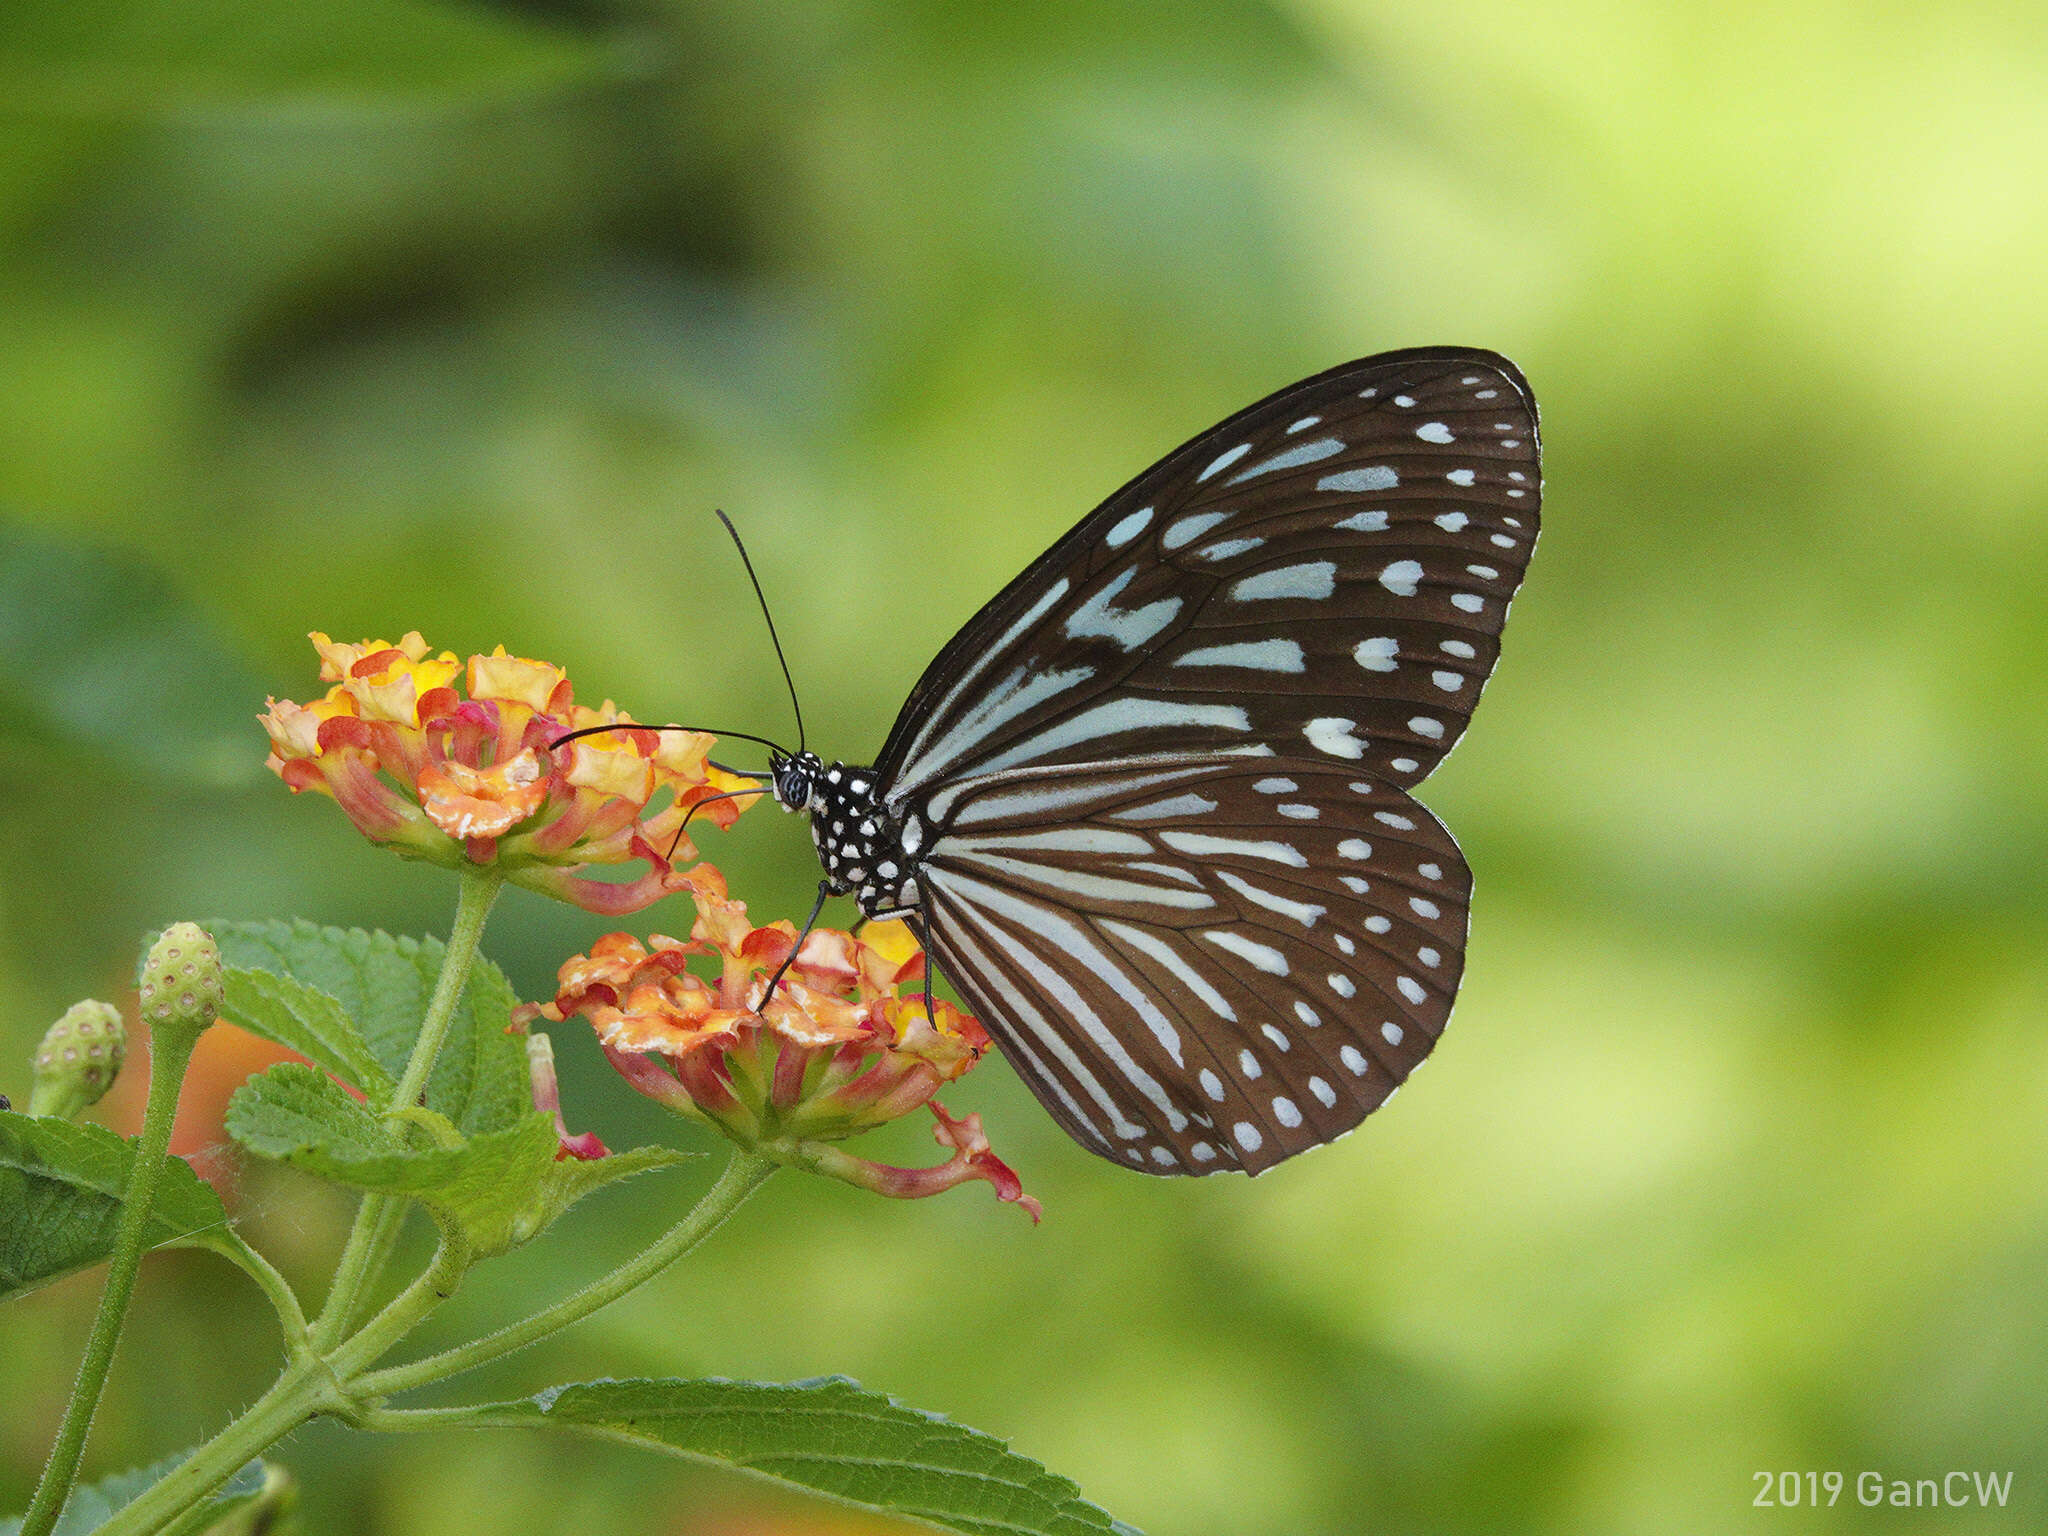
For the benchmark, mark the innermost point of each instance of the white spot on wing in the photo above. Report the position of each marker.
(1377, 654)
(1285, 1112)
(1410, 988)
(1451, 522)
(1331, 734)
(1434, 432)
(1402, 577)
(1128, 528)
(1363, 522)
(1461, 476)
(1467, 602)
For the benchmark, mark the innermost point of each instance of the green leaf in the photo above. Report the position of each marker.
(500, 1188)
(383, 984)
(307, 1021)
(61, 1188)
(128, 56)
(831, 1438)
(94, 1504)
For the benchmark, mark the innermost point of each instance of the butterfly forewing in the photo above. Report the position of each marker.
(1324, 574)
(1199, 962)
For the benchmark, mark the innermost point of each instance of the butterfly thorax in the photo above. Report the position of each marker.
(866, 852)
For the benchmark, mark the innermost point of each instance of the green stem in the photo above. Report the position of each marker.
(479, 887)
(370, 1240)
(300, 1393)
(743, 1175)
(171, 1053)
(283, 1300)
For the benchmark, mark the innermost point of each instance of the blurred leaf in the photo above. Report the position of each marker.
(500, 1188)
(61, 1190)
(93, 1504)
(125, 56)
(103, 650)
(829, 1437)
(384, 984)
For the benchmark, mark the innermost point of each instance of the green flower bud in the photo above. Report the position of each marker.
(181, 981)
(78, 1059)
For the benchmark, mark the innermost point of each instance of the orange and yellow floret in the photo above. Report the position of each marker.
(838, 1049)
(453, 762)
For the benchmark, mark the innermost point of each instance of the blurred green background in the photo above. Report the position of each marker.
(366, 315)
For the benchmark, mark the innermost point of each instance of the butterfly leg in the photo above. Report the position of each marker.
(824, 890)
(931, 965)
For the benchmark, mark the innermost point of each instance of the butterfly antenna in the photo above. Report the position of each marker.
(773, 638)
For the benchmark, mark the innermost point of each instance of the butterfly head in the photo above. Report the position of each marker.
(796, 776)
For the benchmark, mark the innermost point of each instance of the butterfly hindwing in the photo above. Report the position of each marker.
(1198, 962)
(1325, 574)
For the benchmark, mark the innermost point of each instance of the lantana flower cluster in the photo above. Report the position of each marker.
(846, 1042)
(456, 763)
(452, 762)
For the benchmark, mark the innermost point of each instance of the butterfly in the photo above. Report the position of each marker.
(1148, 810)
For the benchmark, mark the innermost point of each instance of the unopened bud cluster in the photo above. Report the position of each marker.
(181, 981)
(78, 1060)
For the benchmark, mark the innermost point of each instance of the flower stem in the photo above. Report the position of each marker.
(171, 1053)
(743, 1175)
(300, 1393)
(370, 1240)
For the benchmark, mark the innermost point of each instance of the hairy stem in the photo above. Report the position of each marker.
(370, 1240)
(171, 1053)
(743, 1175)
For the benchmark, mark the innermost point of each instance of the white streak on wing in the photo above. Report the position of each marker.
(1030, 1025)
(1264, 956)
(1055, 796)
(1177, 963)
(1170, 871)
(1128, 627)
(1302, 912)
(1079, 883)
(1113, 717)
(1257, 655)
(1314, 578)
(1228, 548)
(1012, 697)
(1377, 478)
(1202, 842)
(1190, 804)
(942, 802)
(1291, 458)
(1224, 461)
(1051, 840)
(1190, 528)
(1056, 930)
(1029, 617)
